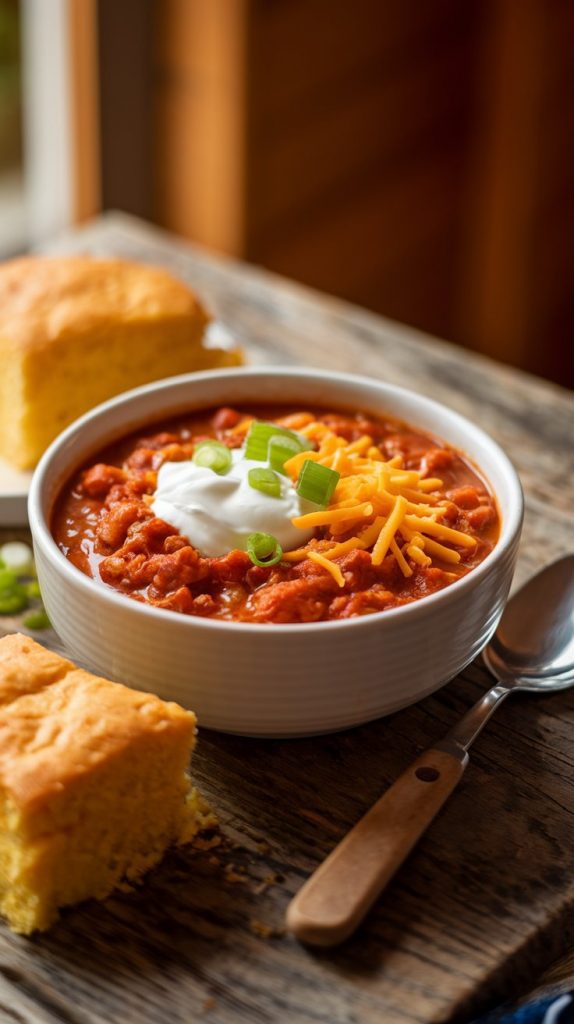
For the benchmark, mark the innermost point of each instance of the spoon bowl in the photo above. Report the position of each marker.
(533, 646)
(533, 685)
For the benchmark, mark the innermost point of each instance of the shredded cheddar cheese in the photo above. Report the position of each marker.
(378, 506)
(243, 426)
(338, 550)
(403, 564)
(335, 571)
(388, 531)
(296, 420)
(336, 515)
(435, 529)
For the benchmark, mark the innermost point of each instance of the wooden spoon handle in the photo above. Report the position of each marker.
(334, 900)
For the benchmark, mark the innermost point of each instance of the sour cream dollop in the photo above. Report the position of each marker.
(217, 513)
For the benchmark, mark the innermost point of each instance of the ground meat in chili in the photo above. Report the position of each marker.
(104, 524)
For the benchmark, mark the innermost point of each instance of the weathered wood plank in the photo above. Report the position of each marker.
(483, 903)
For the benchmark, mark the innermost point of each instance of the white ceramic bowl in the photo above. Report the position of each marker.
(275, 680)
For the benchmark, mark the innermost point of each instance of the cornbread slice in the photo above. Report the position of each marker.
(74, 331)
(93, 783)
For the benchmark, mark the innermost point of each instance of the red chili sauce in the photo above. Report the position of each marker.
(104, 525)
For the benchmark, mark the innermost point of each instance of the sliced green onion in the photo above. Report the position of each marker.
(257, 440)
(280, 450)
(7, 579)
(264, 549)
(260, 434)
(37, 620)
(18, 557)
(13, 596)
(33, 589)
(317, 483)
(213, 455)
(266, 481)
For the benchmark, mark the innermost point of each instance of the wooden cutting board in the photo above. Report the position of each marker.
(485, 901)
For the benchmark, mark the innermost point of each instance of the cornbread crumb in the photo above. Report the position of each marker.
(93, 783)
(264, 931)
(266, 883)
(234, 875)
(75, 331)
(209, 842)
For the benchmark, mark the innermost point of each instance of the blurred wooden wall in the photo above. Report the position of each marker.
(413, 158)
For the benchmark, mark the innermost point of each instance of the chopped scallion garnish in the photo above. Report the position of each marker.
(316, 483)
(17, 590)
(281, 449)
(213, 455)
(260, 434)
(266, 481)
(37, 620)
(264, 549)
(17, 556)
(13, 596)
(33, 589)
(257, 441)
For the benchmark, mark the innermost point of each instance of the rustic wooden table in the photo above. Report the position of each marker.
(485, 901)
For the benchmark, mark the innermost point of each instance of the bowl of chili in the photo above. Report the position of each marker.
(287, 551)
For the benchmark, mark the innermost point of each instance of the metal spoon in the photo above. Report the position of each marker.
(533, 649)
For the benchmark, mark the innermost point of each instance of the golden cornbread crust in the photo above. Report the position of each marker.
(93, 783)
(75, 331)
(42, 298)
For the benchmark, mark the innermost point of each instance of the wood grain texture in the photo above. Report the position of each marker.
(514, 285)
(201, 109)
(294, 133)
(337, 896)
(84, 109)
(485, 900)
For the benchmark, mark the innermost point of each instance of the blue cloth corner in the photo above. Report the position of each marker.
(549, 1009)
